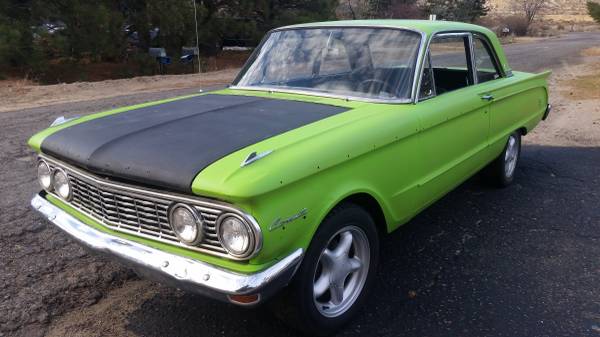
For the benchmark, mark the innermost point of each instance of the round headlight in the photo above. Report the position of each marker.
(186, 224)
(235, 235)
(44, 175)
(61, 184)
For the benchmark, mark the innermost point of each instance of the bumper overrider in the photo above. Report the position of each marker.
(180, 272)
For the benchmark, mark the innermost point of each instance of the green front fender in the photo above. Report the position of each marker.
(290, 216)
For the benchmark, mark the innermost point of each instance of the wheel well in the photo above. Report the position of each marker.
(522, 130)
(371, 205)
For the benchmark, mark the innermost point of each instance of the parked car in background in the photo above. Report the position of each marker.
(280, 186)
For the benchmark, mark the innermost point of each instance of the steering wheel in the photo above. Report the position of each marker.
(372, 83)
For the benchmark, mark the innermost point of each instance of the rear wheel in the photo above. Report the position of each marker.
(501, 172)
(335, 275)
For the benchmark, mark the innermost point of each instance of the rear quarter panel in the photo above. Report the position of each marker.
(519, 102)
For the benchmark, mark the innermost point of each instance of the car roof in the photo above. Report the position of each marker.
(426, 26)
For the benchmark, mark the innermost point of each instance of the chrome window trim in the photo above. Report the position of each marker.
(427, 48)
(322, 94)
(491, 52)
(413, 95)
(484, 38)
(134, 191)
(434, 92)
(472, 60)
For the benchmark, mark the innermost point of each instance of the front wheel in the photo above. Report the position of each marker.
(335, 275)
(501, 172)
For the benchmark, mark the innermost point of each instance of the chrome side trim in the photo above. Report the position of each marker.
(178, 271)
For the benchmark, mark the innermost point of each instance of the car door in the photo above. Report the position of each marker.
(454, 118)
(509, 108)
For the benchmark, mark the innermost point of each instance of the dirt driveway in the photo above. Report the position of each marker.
(521, 261)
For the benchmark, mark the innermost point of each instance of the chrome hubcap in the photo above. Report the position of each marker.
(510, 156)
(341, 271)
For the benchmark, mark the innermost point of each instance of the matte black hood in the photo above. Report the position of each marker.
(167, 145)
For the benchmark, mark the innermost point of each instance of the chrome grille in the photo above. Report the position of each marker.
(136, 213)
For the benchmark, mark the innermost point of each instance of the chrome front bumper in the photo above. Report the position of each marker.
(177, 271)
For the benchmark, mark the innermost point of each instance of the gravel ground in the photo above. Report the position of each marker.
(22, 94)
(524, 260)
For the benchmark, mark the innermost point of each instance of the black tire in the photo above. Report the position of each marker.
(498, 172)
(296, 305)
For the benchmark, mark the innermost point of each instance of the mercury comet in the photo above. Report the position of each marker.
(280, 187)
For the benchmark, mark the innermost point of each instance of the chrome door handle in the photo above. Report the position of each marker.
(487, 97)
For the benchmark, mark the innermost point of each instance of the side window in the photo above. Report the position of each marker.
(484, 62)
(427, 88)
(450, 56)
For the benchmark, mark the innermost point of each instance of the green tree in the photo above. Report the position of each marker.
(101, 30)
(17, 47)
(594, 10)
(10, 36)
(92, 28)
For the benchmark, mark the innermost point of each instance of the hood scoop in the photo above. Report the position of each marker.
(252, 157)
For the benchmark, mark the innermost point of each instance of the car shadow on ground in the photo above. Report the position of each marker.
(481, 261)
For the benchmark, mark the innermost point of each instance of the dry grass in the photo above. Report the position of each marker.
(23, 94)
(14, 87)
(594, 51)
(567, 18)
(529, 39)
(584, 86)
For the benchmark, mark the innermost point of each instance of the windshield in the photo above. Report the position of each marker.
(374, 63)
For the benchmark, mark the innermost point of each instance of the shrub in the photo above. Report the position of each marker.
(457, 10)
(594, 10)
(517, 24)
(406, 11)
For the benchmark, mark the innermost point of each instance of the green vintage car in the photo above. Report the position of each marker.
(332, 135)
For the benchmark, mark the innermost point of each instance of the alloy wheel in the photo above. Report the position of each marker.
(511, 155)
(341, 272)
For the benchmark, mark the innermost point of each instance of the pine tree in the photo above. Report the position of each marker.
(594, 10)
